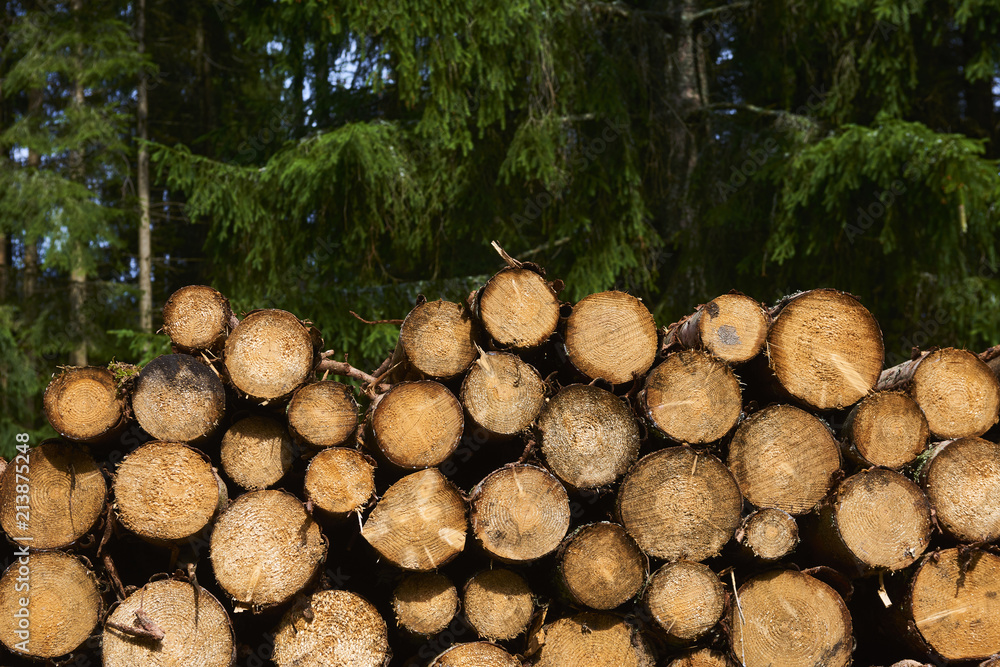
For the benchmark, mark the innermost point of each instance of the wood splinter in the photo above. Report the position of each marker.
(143, 626)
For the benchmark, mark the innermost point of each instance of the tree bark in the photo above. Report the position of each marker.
(142, 181)
(611, 336)
(177, 398)
(83, 404)
(686, 600)
(425, 603)
(498, 604)
(334, 623)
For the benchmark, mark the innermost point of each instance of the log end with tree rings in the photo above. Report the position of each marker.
(502, 393)
(692, 397)
(417, 424)
(196, 628)
(498, 604)
(957, 392)
(167, 491)
(475, 654)
(336, 629)
(340, 481)
(686, 600)
(612, 336)
(773, 607)
(732, 327)
(518, 308)
(59, 476)
(679, 504)
(323, 414)
(269, 355)
(419, 523)
(887, 429)
(439, 339)
(596, 640)
(177, 398)
(962, 481)
(83, 404)
(703, 657)
(49, 604)
(256, 452)
(265, 548)
(825, 348)
(601, 566)
(589, 437)
(197, 317)
(954, 602)
(784, 457)
(425, 603)
(519, 513)
(769, 534)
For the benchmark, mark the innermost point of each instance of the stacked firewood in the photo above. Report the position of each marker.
(523, 481)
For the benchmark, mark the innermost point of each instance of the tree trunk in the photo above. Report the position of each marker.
(83, 405)
(502, 393)
(589, 437)
(66, 494)
(601, 566)
(962, 481)
(257, 452)
(335, 628)
(265, 548)
(596, 640)
(686, 600)
(197, 317)
(62, 604)
(269, 355)
(518, 308)
(692, 397)
(78, 269)
(340, 481)
(732, 327)
(679, 504)
(611, 336)
(30, 288)
(416, 424)
(498, 604)
(142, 132)
(196, 628)
(886, 429)
(475, 654)
(519, 513)
(425, 603)
(177, 398)
(323, 414)
(767, 535)
(439, 339)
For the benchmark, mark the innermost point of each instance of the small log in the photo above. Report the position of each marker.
(335, 629)
(703, 657)
(256, 452)
(612, 336)
(954, 603)
(439, 339)
(601, 566)
(269, 355)
(502, 393)
(519, 513)
(596, 640)
(962, 481)
(825, 348)
(49, 604)
(692, 397)
(732, 327)
(475, 654)
(886, 429)
(340, 481)
(58, 498)
(589, 437)
(686, 600)
(774, 606)
(265, 548)
(784, 457)
(197, 317)
(419, 523)
(82, 404)
(957, 392)
(680, 504)
(768, 534)
(416, 424)
(518, 308)
(166, 492)
(177, 398)
(425, 603)
(323, 414)
(196, 628)
(498, 604)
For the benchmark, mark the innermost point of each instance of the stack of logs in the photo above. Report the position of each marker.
(522, 482)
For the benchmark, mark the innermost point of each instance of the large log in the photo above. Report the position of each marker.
(177, 398)
(335, 629)
(269, 355)
(518, 308)
(502, 393)
(83, 404)
(962, 480)
(685, 600)
(197, 317)
(612, 336)
(887, 429)
(416, 424)
(425, 603)
(601, 566)
(323, 414)
(439, 339)
(596, 640)
(475, 654)
(257, 452)
(732, 327)
(498, 604)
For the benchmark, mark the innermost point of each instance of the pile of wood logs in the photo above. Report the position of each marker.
(523, 481)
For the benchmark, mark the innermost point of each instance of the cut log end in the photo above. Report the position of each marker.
(59, 608)
(502, 393)
(958, 393)
(601, 566)
(769, 534)
(611, 335)
(520, 513)
(732, 327)
(417, 424)
(196, 317)
(679, 504)
(518, 308)
(439, 339)
(962, 480)
(419, 523)
(826, 349)
(323, 414)
(340, 481)
(269, 354)
(596, 640)
(498, 604)
(82, 404)
(338, 629)
(686, 600)
(703, 657)
(177, 398)
(425, 603)
(257, 452)
(475, 654)
(887, 429)
(692, 397)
